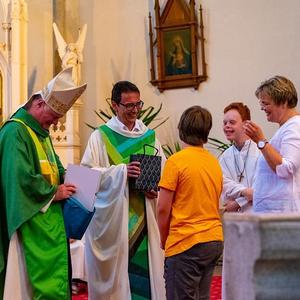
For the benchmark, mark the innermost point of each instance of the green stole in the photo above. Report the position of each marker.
(43, 236)
(119, 148)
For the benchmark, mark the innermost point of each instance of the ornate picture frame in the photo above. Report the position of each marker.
(176, 46)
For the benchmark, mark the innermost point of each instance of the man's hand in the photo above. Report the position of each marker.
(64, 191)
(231, 206)
(133, 169)
(151, 194)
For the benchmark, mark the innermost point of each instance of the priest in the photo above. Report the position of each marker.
(34, 256)
(123, 255)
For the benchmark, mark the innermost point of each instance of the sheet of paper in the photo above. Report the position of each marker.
(87, 182)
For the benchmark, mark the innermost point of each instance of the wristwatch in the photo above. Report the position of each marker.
(261, 144)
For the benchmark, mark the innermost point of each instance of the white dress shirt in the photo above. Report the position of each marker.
(280, 191)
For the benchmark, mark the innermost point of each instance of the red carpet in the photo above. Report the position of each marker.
(215, 293)
(216, 288)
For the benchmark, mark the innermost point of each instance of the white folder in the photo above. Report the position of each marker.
(87, 182)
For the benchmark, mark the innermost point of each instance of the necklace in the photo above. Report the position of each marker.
(240, 171)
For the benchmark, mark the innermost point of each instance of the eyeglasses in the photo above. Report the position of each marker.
(131, 106)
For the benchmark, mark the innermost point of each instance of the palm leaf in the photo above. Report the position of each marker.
(218, 144)
(168, 150)
(90, 126)
(108, 101)
(146, 111)
(153, 115)
(102, 115)
(177, 147)
(162, 122)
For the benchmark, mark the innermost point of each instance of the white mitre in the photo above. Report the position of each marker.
(61, 92)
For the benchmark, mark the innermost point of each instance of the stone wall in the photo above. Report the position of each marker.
(261, 256)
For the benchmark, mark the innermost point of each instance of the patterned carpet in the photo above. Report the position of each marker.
(215, 293)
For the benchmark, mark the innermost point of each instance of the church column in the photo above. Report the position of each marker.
(5, 48)
(19, 20)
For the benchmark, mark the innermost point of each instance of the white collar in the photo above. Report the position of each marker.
(245, 146)
(136, 127)
(116, 125)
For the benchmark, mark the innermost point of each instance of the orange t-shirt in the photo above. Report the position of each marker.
(196, 177)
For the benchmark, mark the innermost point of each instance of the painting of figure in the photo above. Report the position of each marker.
(177, 52)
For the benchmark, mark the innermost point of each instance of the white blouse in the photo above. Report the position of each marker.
(280, 191)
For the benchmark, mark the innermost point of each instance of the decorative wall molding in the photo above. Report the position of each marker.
(65, 136)
(13, 54)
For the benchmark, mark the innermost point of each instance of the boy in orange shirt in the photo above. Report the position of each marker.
(188, 214)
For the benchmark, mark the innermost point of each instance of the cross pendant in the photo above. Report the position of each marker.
(241, 176)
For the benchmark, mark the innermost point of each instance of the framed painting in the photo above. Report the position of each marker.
(177, 52)
(176, 46)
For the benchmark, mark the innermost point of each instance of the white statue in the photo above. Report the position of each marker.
(71, 54)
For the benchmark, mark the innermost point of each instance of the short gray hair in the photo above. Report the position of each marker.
(280, 89)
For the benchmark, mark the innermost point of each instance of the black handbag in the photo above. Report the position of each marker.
(150, 171)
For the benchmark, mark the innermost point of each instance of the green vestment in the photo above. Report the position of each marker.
(119, 148)
(24, 191)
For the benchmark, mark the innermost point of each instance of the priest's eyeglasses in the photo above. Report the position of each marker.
(131, 106)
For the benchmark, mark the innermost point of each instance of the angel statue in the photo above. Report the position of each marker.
(71, 54)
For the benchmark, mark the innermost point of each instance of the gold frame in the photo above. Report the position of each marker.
(176, 46)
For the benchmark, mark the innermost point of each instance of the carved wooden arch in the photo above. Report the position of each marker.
(177, 39)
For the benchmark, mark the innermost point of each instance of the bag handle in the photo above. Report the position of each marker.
(151, 147)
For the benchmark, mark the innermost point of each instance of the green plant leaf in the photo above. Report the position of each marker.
(144, 113)
(102, 115)
(159, 124)
(168, 150)
(153, 115)
(108, 101)
(90, 126)
(218, 144)
(214, 143)
(177, 146)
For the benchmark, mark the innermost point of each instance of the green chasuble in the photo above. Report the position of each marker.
(25, 189)
(119, 148)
